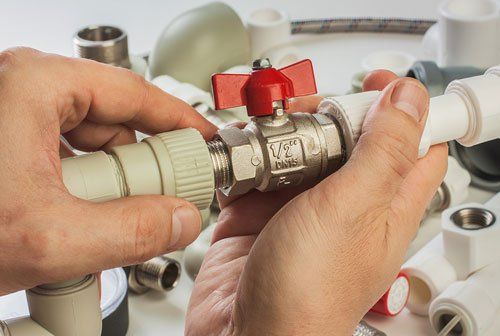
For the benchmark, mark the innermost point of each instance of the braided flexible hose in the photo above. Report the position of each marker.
(361, 25)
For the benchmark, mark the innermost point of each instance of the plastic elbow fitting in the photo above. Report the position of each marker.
(109, 45)
(469, 307)
(199, 43)
(429, 274)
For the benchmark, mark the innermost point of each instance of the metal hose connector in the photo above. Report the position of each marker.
(362, 25)
(221, 163)
(105, 44)
(160, 273)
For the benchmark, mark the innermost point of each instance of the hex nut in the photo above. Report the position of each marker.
(470, 238)
(240, 152)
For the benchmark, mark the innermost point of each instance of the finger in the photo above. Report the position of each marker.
(126, 231)
(387, 149)
(426, 177)
(304, 104)
(377, 80)
(106, 95)
(89, 136)
(236, 210)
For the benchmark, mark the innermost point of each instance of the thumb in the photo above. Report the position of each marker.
(134, 229)
(387, 149)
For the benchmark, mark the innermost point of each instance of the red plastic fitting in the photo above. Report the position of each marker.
(395, 299)
(262, 87)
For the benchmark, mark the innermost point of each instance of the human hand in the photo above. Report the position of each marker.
(313, 262)
(47, 234)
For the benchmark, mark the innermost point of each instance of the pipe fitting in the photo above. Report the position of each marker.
(105, 44)
(160, 274)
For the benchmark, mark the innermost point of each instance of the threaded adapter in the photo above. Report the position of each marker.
(105, 44)
(160, 273)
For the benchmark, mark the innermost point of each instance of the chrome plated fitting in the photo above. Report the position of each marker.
(105, 44)
(276, 151)
(160, 274)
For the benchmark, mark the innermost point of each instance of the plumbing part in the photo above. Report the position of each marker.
(114, 303)
(396, 61)
(470, 238)
(357, 82)
(200, 42)
(275, 149)
(430, 43)
(361, 25)
(364, 329)
(467, 244)
(466, 112)
(175, 163)
(394, 300)
(454, 189)
(195, 252)
(468, 308)
(70, 308)
(469, 33)
(429, 274)
(482, 161)
(436, 78)
(201, 100)
(159, 273)
(270, 34)
(114, 308)
(107, 44)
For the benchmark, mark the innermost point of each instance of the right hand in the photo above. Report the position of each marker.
(313, 262)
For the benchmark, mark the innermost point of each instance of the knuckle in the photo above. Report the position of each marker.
(13, 56)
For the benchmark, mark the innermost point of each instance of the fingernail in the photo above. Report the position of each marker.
(410, 98)
(186, 225)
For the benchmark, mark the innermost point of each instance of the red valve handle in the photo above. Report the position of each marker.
(262, 87)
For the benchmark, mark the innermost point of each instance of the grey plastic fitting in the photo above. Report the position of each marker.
(436, 78)
(482, 161)
(199, 43)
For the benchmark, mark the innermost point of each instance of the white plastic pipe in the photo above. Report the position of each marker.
(468, 112)
(473, 304)
(469, 33)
